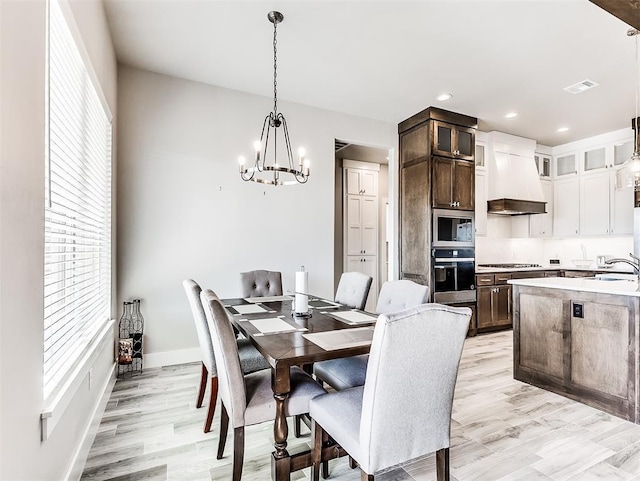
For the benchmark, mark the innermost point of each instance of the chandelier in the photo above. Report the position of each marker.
(262, 171)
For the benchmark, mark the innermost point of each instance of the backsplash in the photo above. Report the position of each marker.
(539, 251)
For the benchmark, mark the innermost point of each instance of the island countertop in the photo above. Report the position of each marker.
(616, 287)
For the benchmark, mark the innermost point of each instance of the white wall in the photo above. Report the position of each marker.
(22, 98)
(185, 213)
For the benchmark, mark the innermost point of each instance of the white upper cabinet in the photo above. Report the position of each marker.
(480, 155)
(622, 152)
(565, 165)
(566, 207)
(594, 204)
(543, 164)
(541, 225)
(594, 160)
(621, 206)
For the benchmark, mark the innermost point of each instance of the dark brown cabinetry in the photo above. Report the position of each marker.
(493, 301)
(453, 140)
(453, 184)
(494, 308)
(430, 134)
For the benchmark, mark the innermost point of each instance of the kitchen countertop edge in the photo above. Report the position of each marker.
(617, 287)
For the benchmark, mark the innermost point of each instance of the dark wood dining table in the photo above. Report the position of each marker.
(285, 349)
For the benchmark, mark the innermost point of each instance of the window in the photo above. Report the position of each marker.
(77, 255)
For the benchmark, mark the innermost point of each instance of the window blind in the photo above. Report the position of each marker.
(77, 256)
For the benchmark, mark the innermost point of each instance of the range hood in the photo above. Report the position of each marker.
(514, 185)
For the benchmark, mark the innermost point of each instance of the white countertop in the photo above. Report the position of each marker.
(555, 267)
(617, 287)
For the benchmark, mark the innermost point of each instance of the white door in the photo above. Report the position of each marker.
(354, 225)
(369, 223)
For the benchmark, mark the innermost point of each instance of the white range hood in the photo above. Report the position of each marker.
(514, 185)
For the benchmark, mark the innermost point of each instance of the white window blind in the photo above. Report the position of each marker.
(77, 257)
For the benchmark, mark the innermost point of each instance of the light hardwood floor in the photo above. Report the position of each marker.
(501, 430)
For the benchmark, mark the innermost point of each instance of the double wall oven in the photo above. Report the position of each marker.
(453, 256)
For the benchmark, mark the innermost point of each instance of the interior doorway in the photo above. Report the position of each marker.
(357, 169)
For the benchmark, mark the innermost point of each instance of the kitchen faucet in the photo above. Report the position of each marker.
(635, 263)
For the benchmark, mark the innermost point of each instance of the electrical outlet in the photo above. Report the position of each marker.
(577, 310)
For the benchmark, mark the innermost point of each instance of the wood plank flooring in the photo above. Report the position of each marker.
(502, 430)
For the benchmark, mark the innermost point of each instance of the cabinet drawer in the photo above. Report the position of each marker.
(502, 278)
(484, 280)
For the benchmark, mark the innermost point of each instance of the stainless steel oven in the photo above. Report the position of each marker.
(454, 275)
(453, 228)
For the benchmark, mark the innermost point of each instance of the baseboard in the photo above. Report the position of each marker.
(169, 358)
(80, 456)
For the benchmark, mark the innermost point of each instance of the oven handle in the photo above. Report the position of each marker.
(455, 259)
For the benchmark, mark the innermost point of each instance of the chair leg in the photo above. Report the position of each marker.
(224, 425)
(203, 385)
(212, 404)
(352, 463)
(238, 452)
(325, 464)
(442, 464)
(317, 434)
(365, 477)
(296, 425)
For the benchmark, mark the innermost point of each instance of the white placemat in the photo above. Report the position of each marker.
(249, 309)
(353, 317)
(268, 299)
(341, 338)
(274, 325)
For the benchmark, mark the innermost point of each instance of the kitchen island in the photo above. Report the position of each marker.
(578, 337)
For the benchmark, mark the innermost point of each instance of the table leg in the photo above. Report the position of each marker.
(280, 427)
(280, 462)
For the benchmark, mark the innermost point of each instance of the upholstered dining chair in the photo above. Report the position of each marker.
(261, 283)
(348, 372)
(250, 359)
(353, 289)
(398, 415)
(247, 399)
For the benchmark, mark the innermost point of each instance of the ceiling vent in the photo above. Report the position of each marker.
(341, 145)
(581, 86)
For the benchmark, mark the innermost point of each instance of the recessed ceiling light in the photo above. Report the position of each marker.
(443, 97)
(511, 115)
(562, 129)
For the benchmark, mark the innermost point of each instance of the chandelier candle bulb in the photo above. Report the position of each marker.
(241, 161)
(301, 153)
(258, 147)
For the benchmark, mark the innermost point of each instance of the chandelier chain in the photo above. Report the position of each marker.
(275, 68)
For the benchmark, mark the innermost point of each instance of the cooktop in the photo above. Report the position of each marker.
(509, 266)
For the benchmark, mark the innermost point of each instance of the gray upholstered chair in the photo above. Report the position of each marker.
(261, 283)
(353, 289)
(348, 372)
(247, 399)
(250, 359)
(398, 415)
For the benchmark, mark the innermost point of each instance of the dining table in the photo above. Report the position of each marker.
(328, 331)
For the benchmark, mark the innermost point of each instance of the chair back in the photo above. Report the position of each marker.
(193, 290)
(261, 283)
(411, 376)
(353, 289)
(399, 295)
(230, 377)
